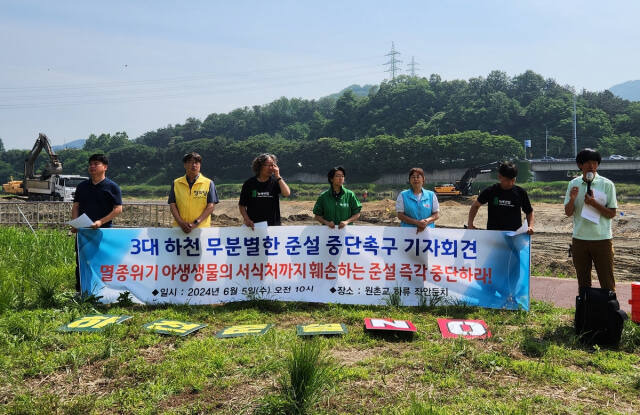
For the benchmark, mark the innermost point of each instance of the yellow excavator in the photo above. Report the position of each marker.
(462, 187)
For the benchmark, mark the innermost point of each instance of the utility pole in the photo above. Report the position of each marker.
(413, 65)
(546, 141)
(393, 62)
(575, 135)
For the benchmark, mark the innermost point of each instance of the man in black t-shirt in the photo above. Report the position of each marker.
(260, 195)
(99, 198)
(506, 200)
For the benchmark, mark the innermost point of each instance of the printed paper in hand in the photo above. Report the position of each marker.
(81, 222)
(589, 212)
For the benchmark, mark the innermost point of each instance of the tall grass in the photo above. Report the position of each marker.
(35, 269)
(308, 374)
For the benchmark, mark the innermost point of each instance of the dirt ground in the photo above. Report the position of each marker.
(549, 254)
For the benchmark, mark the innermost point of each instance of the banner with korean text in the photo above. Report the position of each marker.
(355, 265)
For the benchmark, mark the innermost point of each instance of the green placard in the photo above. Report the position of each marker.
(96, 322)
(174, 327)
(244, 330)
(325, 329)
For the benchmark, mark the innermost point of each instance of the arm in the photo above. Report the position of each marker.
(117, 209)
(284, 189)
(186, 227)
(245, 217)
(352, 219)
(604, 211)
(530, 221)
(324, 221)
(205, 213)
(473, 211)
(570, 206)
(75, 212)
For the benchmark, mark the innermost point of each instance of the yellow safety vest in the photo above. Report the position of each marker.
(191, 202)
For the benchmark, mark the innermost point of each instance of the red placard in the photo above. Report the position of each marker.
(469, 329)
(388, 324)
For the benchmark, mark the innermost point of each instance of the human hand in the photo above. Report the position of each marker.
(275, 170)
(342, 224)
(96, 224)
(248, 222)
(73, 230)
(186, 227)
(574, 193)
(470, 226)
(331, 224)
(530, 230)
(589, 199)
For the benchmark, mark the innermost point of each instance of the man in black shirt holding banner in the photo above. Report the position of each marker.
(506, 200)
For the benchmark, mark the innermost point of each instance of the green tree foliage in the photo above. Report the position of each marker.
(1, 146)
(408, 121)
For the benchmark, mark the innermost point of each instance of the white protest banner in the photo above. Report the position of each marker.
(355, 265)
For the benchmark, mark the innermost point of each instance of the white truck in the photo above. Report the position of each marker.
(51, 184)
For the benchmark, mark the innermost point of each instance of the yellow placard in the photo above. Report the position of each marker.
(181, 328)
(244, 330)
(93, 322)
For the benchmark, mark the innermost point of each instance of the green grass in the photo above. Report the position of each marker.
(533, 363)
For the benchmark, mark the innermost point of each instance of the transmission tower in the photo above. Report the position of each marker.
(412, 67)
(393, 62)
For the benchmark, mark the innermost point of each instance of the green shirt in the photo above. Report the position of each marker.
(585, 229)
(337, 209)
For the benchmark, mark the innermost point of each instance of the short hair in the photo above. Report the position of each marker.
(416, 170)
(193, 155)
(102, 158)
(508, 169)
(333, 172)
(258, 162)
(588, 154)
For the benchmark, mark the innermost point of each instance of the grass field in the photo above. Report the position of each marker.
(532, 364)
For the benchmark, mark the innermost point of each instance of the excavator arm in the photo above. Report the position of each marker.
(53, 167)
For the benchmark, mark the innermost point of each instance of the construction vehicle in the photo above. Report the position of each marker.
(462, 187)
(51, 184)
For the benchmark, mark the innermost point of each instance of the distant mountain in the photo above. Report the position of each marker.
(359, 91)
(72, 144)
(628, 90)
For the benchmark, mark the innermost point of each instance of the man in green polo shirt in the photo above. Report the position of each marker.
(337, 205)
(591, 200)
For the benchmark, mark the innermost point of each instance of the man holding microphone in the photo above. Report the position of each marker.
(591, 200)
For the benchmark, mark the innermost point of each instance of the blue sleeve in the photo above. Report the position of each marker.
(212, 197)
(117, 195)
(172, 195)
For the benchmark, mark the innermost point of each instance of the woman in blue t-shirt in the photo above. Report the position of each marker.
(417, 207)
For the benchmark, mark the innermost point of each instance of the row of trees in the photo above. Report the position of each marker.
(408, 121)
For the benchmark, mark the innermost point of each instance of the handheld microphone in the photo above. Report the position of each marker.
(589, 179)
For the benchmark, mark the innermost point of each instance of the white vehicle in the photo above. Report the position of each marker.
(51, 184)
(60, 187)
(617, 157)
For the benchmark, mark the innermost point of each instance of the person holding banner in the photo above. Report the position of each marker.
(337, 205)
(192, 197)
(506, 200)
(417, 207)
(260, 195)
(591, 200)
(99, 198)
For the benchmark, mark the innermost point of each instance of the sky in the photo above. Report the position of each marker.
(74, 68)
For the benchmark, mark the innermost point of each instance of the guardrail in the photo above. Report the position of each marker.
(57, 214)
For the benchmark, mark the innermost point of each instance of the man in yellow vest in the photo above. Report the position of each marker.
(192, 196)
